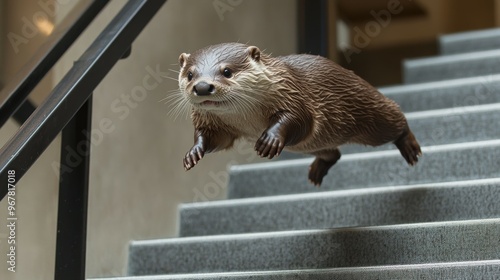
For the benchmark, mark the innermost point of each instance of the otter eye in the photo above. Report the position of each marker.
(227, 72)
(190, 76)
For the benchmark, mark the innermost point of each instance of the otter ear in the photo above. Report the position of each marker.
(254, 53)
(183, 58)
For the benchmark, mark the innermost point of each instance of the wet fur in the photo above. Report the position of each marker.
(303, 103)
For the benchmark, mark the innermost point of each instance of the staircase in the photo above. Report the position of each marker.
(374, 217)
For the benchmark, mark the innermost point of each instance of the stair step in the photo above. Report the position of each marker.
(456, 270)
(465, 200)
(452, 66)
(471, 41)
(318, 249)
(453, 162)
(445, 94)
(447, 126)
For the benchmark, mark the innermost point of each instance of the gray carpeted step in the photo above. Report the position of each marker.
(455, 270)
(446, 94)
(471, 41)
(318, 249)
(447, 126)
(465, 200)
(464, 161)
(452, 66)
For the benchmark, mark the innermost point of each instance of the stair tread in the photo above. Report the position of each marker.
(450, 162)
(445, 94)
(447, 126)
(470, 41)
(455, 241)
(475, 199)
(451, 66)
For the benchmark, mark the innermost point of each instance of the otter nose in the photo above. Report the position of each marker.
(203, 88)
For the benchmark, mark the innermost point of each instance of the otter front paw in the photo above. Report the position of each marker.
(193, 157)
(269, 145)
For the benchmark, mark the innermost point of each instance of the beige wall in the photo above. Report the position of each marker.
(37, 191)
(137, 180)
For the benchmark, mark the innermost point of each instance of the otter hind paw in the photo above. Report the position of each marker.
(318, 169)
(409, 148)
(324, 160)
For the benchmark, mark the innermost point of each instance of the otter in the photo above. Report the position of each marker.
(301, 103)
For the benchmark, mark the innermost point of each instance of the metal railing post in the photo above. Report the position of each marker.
(73, 196)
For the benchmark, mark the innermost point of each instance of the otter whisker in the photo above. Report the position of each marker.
(172, 95)
(173, 79)
(182, 108)
(176, 108)
(179, 105)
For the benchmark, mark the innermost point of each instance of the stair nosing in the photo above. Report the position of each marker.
(433, 60)
(336, 193)
(305, 232)
(452, 111)
(404, 89)
(323, 270)
(468, 35)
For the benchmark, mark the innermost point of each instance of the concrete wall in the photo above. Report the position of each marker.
(137, 179)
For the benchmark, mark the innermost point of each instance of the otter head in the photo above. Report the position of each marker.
(222, 78)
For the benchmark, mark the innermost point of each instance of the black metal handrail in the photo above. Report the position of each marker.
(14, 95)
(68, 109)
(70, 94)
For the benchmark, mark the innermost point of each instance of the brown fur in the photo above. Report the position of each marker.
(302, 103)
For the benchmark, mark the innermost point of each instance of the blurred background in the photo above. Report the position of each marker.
(137, 180)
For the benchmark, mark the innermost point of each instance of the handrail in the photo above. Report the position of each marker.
(70, 94)
(15, 93)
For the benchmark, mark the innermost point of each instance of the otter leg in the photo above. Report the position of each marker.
(408, 146)
(320, 166)
(206, 141)
(285, 129)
